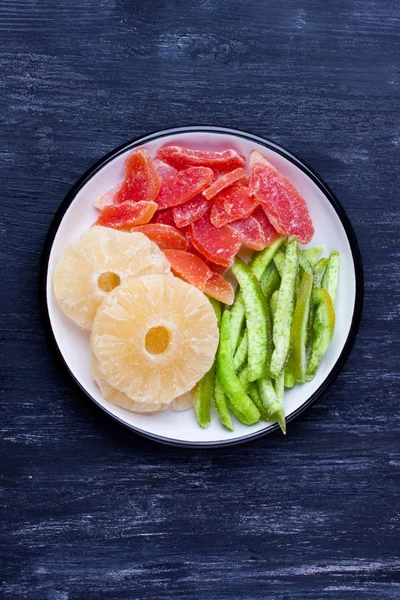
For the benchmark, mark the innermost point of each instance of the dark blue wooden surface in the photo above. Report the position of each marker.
(89, 510)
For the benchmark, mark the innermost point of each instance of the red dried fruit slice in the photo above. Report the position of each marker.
(213, 266)
(232, 204)
(127, 214)
(191, 211)
(189, 267)
(217, 287)
(256, 231)
(166, 217)
(180, 158)
(164, 171)
(284, 205)
(141, 179)
(108, 198)
(223, 182)
(167, 236)
(218, 245)
(184, 186)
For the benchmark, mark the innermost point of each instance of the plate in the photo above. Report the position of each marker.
(332, 229)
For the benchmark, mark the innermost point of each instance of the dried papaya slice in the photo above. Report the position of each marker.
(219, 245)
(166, 217)
(141, 179)
(107, 198)
(256, 231)
(232, 204)
(184, 186)
(167, 236)
(189, 267)
(164, 171)
(181, 158)
(284, 205)
(127, 215)
(217, 287)
(189, 212)
(223, 182)
(213, 266)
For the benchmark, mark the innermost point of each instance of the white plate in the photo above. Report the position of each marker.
(332, 229)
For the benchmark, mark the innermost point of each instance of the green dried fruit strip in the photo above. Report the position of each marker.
(324, 326)
(331, 275)
(228, 378)
(299, 328)
(279, 260)
(204, 390)
(279, 409)
(258, 264)
(221, 405)
(313, 254)
(241, 353)
(256, 318)
(289, 375)
(284, 310)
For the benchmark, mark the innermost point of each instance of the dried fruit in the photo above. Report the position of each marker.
(191, 211)
(126, 215)
(256, 231)
(218, 245)
(164, 171)
(189, 267)
(223, 182)
(154, 338)
(232, 204)
(166, 217)
(284, 205)
(107, 198)
(217, 287)
(119, 398)
(141, 179)
(96, 263)
(184, 186)
(166, 235)
(180, 158)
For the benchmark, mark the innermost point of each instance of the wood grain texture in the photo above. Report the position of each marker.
(89, 510)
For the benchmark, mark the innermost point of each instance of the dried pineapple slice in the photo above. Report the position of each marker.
(96, 263)
(154, 338)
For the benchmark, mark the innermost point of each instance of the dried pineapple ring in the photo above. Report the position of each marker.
(155, 337)
(183, 402)
(119, 398)
(96, 263)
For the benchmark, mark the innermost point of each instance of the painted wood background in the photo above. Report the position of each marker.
(88, 509)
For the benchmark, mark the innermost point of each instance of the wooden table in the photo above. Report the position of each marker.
(92, 511)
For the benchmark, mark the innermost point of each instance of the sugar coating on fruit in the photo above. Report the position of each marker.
(142, 181)
(190, 211)
(166, 235)
(231, 205)
(219, 245)
(180, 158)
(285, 206)
(126, 215)
(79, 280)
(256, 231)
(223, 182)
(163, 169)
(217, 287)
(189, 267)
(107, 198)
(120, 399)
(118, 338)
(183, 402)
(184, 186)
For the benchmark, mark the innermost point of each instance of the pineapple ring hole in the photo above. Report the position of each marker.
(157, 340)
(108, 281)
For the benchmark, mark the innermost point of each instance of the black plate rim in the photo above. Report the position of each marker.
(331, 197)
